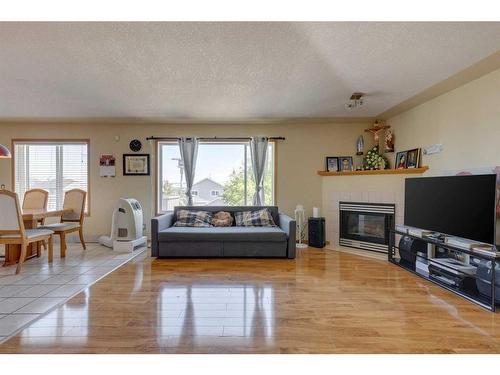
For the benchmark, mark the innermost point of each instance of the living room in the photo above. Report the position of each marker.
(249, 187)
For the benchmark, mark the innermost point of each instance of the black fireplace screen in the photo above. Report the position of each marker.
(366, 225)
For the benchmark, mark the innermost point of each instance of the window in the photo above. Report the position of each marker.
(223, 175)
(55, 166)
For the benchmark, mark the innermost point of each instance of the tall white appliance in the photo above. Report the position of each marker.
(126, 227)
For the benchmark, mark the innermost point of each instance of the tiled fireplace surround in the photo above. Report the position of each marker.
(367, 188)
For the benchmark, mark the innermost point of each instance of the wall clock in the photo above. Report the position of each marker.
(135, 145)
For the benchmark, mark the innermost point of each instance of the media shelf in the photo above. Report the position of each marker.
(477, 287)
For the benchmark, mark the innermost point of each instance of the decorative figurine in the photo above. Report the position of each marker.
(360, 145)
(389, 141)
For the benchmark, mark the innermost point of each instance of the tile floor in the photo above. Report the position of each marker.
(40, 287)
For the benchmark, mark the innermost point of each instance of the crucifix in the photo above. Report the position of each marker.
(376, 129)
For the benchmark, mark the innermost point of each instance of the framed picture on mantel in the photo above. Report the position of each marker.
(413, 158)
(401, 160)
(408, 159)
(332, 164)
(345, 164)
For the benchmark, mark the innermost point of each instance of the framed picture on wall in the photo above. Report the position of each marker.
(136, 164)
(332, 164)
(107, 165)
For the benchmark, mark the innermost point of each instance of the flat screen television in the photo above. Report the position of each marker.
(462, 206)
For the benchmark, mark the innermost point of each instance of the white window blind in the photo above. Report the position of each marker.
(53, 166)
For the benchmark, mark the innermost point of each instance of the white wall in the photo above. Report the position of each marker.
(465, 120)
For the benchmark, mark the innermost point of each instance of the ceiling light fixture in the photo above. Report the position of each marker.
(355, 101)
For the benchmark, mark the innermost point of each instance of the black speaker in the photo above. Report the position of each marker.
(483, 279)
(316, 227)
(408, 248)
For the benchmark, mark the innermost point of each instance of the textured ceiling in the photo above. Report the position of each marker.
(227, 70)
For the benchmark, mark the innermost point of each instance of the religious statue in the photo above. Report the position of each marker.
(360, 145)
(389, 141)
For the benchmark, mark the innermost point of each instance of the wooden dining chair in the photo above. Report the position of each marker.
(73, 221)
(36, 199)
(12, 231)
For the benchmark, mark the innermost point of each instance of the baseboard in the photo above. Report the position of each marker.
(359, 252)
(73, 238)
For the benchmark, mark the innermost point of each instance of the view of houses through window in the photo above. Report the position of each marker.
(223, 175)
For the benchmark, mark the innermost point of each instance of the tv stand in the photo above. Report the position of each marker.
(465, 272)
(437, 237)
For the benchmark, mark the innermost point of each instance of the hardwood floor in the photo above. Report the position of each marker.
(322, 302)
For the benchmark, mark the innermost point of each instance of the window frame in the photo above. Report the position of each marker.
(51, 141)
(158, 165)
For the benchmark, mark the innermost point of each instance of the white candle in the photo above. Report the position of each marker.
(315, 212)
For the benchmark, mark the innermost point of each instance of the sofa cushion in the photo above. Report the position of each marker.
(231, 209)
(243, 234)
(197, 219)
(222, 219)
(259, 218)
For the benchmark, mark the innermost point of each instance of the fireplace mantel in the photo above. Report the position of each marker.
(377, 172)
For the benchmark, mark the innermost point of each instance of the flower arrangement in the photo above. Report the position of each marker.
(374, 160)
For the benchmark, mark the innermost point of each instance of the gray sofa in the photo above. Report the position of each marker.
(169, 241)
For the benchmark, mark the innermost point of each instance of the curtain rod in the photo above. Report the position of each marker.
(211, 138)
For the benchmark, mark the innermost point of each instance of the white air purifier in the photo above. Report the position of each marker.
(126, 227)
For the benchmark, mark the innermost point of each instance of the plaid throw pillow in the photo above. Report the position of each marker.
(259, 218)
(187, 218)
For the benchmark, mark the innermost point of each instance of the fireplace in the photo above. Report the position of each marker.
(366, 225)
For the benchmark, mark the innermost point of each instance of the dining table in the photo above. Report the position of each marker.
(32, 217)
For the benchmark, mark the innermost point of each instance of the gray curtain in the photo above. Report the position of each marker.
(189, 152)
(258, 152)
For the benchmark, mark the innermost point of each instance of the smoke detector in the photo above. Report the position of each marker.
(355, 101)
